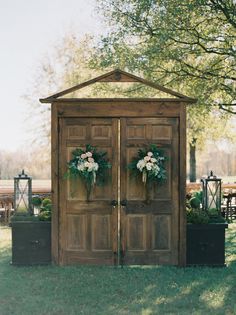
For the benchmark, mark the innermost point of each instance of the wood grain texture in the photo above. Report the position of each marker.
(88, 228)
(87, 233)
(182, 188)
(118, 75)
(55, 183)
(144, 242)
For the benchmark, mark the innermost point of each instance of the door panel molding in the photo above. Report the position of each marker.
(98, 232)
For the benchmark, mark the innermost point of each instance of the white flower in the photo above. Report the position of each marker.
(83, 156)
(153, 160)
(89, 154)
(156, 169)
(141, 164)
(91, 160)
(90, 167)
(149, 166)
(147, 158)
(81, 167)
(96, 166)
(86, 164)
(150, 154)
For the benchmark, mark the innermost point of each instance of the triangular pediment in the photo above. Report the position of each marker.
(117, 76)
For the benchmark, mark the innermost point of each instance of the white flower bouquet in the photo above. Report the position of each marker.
(150, 164)
(90, 165)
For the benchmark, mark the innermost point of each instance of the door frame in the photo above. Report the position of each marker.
(117, 108)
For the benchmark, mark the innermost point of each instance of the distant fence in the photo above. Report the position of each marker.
(197, 186)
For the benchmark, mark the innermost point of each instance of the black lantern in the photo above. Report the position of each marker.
(211, 188)
(23, 193)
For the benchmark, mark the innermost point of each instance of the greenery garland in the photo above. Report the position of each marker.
(90, 165)
(149, 163)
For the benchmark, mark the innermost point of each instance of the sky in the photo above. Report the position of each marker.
(29, 29)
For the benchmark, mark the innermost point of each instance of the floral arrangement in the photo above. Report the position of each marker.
(90, 165)
(150, 164)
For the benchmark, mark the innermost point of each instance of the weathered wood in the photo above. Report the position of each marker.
(88, 232)
(119, 109)
(118, 76)
(55, 183)
(148, 229)
(88, 229)
(182, 188)
(111, 100)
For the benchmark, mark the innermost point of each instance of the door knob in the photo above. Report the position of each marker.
(123, 203)
(114, 203)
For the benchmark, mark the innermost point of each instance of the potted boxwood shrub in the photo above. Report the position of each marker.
(205, 235)
(31, 235)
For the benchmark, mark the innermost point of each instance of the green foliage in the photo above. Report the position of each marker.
(197, 216)
(213, 212)
(77, 167)
(45, 210)
(187, 43)
(198, 194)
(45, 215)
(36, 201)
(215, 216)
(47, 207)
(20, 216)
(46, 202)
(195, 203)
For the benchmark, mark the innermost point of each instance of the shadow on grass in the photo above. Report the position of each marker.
(111, 290)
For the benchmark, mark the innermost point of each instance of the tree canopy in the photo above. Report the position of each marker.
(175, 41)
(187, 45)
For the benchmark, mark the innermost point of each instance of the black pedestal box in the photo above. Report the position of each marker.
(31, 243)
(206, 244)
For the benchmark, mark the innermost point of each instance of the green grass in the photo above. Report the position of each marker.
(110, 290)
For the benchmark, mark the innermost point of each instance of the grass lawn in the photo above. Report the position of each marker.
(111, 290)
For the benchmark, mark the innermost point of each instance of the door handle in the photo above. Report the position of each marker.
(114, 203)
(123, 203)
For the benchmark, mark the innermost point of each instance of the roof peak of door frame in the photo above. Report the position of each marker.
(118, 76)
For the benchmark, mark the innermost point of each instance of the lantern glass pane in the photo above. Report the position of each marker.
(213, 194)
(22, 195)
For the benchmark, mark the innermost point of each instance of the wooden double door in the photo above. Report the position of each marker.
(118, 226)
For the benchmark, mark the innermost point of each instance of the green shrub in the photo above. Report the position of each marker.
(36, 201)
(197, 216)
(215, 216)
(46, 201)
(195, 203)
(45, 216)
(198, 194)
(48, 207)
(45, 210)
(21, 216)
(213, 212)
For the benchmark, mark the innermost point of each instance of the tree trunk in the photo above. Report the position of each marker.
(192, 161)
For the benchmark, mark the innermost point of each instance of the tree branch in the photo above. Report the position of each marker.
(226, 109)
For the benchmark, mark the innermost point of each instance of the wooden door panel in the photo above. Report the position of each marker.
(150, 230)
(76, 224)
(161, 132)
(136, 232)
(87, 228)
(101, 232)
(161, 232)
(77, 132)
(135, 132)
